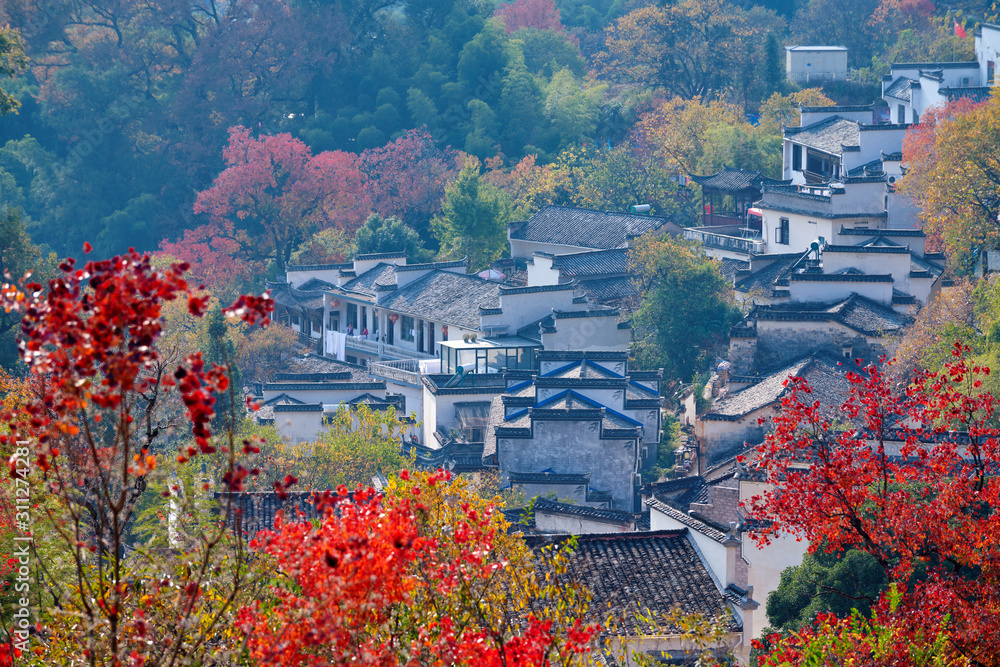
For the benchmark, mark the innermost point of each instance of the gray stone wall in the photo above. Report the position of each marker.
(575, 447)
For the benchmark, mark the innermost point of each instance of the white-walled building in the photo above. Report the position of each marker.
(811, 65)
(912, 88)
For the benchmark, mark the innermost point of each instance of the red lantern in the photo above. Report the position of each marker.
(444, 330)
(394, 317)
(335, 303)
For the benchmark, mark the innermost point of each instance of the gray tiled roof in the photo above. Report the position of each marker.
(829, 135)
(593, 263)
(585, 228)
(686, 520)
(380, 275)
(290, 297)
(255, 512)
(315, 284)
(609, 290)
(565, 404)
(728, 267)
(583, 370)
(496, 418)
(856, 312)
(899, 89)
(545, 505)
(734, 180)
(313, 364)
(635, 575)
(973, 93)
(823, 372)
(449, 298)
(765, 279)
(266, 410)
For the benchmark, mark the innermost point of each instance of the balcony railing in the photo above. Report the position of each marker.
(383, 350)
(746, 246)
(406, 370)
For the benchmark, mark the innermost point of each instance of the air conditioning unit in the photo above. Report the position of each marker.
(966, 81)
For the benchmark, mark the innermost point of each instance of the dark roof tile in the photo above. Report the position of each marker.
(584, 228)
(634, 575)
(444, 297)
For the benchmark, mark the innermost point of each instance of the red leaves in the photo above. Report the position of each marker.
(254, 310)
(90, 339)
(908, 477)
(373, 585)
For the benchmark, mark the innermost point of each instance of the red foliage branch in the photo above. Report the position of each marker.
(364, 585)
(907, 474)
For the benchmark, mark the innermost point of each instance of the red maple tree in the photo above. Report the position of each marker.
(406, 178)
(274, 194)
(377, 582)
(93, 427)
(908, 475)
(538, 14)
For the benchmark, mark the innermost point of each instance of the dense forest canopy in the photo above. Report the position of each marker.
(126, 106)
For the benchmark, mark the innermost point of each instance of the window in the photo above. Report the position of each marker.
(916, 117)
(900, 114)
(796, 157)
(990, 70)
(407, 329)
(352, 315)
(781, 233)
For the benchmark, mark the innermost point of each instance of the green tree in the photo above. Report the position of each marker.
(218, 348)
(17, 257)
(826, 583)
(12, 62)
(473, 220)
(520, 108)
(572, 107)
(686, 309)
(390, 234)
(358, 444)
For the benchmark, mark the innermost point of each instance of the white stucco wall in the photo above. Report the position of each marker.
(540, 271)
(804, 64)
(298, 427)
(296, 278)
(766, 563)
(588, 333)
(826, 291)
(987, 49)
(873, 263)
(574, 525)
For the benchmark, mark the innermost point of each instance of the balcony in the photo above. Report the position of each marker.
(721, 239)
(383, 350)
(405, 371)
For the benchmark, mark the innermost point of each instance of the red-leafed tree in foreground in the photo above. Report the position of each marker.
(426, 575)
(908, 475)
(106, 405)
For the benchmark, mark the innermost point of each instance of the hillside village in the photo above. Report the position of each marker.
(567, 332)
(525, 369)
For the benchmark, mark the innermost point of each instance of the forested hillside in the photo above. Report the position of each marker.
(127, 105)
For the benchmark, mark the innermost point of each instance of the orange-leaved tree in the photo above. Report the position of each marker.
(426, 574)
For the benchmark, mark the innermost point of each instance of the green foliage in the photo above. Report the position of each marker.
(670, 440)
(357, 445)
(687, 309)
(390, 234)
(826, 583)
(12, 62)
(473, 220)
